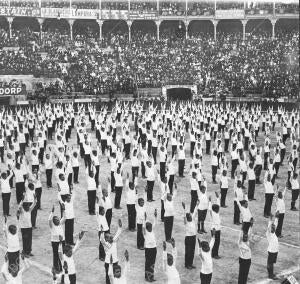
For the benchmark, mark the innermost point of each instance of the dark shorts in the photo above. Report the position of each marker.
(272, 257)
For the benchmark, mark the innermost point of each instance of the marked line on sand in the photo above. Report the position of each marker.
(283, 273)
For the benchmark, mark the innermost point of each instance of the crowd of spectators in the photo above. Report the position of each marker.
(259, 64)
(222, 5)
(288, 8)
(26, 3)
(143, 6)
(259, 8)
(201, 9)
(56, 4)
(106, 5)
(172, 9)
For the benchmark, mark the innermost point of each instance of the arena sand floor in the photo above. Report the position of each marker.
(90, 270)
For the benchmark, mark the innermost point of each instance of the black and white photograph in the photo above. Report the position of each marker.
(149, 141)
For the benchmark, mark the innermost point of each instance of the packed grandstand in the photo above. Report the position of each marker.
(99, 47)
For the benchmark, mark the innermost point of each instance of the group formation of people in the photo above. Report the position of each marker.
(156, 143)
(257, 65)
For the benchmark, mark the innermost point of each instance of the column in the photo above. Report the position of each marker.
(215, 23)
(244, 22)
(41, 21)
(10, 20)
(129, 23)
(71, 22)
(187, 29)
(100, 24)
(157, 28)
(273, 22)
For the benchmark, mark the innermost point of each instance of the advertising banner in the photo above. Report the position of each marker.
(20, 11)
(141, 15)
(55, 12)
(230, 14)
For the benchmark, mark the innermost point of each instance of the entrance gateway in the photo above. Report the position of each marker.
(179, 92)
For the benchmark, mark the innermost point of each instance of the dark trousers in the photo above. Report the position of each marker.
(215, 249)
(268, 203)
(140, 237)
(103, 146)
(56, 260)
(108, 215)
(20, 189)
(251, 189)
(295, 194)
(192, 148)
(181, 164)
(135, 172)
(6, 200)
(226, 145)
(150, 257)
(87, 161)
(272, 258)
(205, 278)
(162, 210)
(112, 181)
(207, 146)
(257, 169)
(194, 199)
(97, 175)
(38, 194)
(150, 185)
(131, 216)
(244, 270)
(279, 225)
(49, 177)
(170, 183)
(154, 154)
(33, 215)
(190, 243)
(27, 240)
(236, 214)
(118, 196)
(91, 201)
(214, 170)
(201, 219)
(143, 169)
(168, 224)
(69, 231)
(101, 248)
(162, 170)
(75, 172)
(234, 164)
(223, 196)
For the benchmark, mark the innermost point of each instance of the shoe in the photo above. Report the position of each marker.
(193, 267)
(92, 213)
(101, 258)
(199, 232)
(273, 277)
(293, 209)
(26, 255)
(119, 207)
(280, 236)
(203, 231)
(266, 216)
(30, 254)
(141, 248)
(217, 257)
(224, 206)
(189, 267)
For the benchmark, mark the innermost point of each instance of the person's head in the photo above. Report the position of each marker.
(169, 197)
(56, 220)
(91, 173)
(131, 185)
(12, 229)
(61, 177)
(215, 208)
(59, 164)
(31, 186)
(67, 158)
(134, 152)
(202, 188)
(205, 246)
(34, 152)
(26, 206)
(101, 210)
(189, 217)
(117, 270)
(75, 154)
(94, 152)
(244, 203)
(68, 250)
(245, 237)
(224, 173)
(47, 156)
(109, 238)
(141, 202)
(170, 259)
(295, 176)
(104, 192)
(68, 198)
(215, 152)
(149, 227)
(280, 196)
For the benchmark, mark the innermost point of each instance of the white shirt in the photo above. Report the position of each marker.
(206, 259)
(272, 240)
(216, 220)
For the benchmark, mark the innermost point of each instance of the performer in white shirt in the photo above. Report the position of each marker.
(116, 274)
(273, 246)
(205, 253)
(169, 264)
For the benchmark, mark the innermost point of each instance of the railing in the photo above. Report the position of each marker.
(163, 9)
